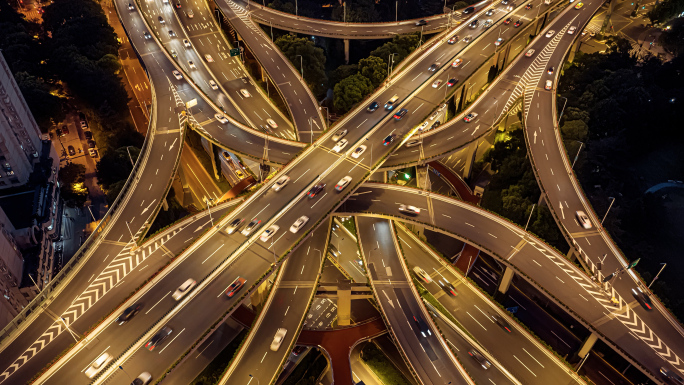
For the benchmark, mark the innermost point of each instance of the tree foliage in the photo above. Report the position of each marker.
(114, 168)
(357, 11)
(665, 10)
(374, 69)
(672, 39)
(73, 190)
(312, 59)
(350, 91)
(402, 45)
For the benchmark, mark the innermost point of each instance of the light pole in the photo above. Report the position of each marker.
(122, 369)
(327, 115)
(530, 217)
(607, 211)
(344, 5)
(207, 200)
(252, 377)
(320, 255)
(577, 155)
(396, 11)
(390, 66)
(129, 156)
(68, 328)
(311, 128)
(296, 14)
(129, 230)
(301, 64)
(654, 279)
(562, 109)
(91, 213)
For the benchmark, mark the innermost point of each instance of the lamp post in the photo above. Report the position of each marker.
(562, 109)
(530, 217)
(654, 279)
(68, 328)
(122, 369)
(252, 377)
(607, 211)
(129, 156)
(129, 229)
(577, 155)
(396, 11)
(301, 64)
(390, 66)
(327, 115)
(207, 200)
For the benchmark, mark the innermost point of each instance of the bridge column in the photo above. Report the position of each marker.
(344, 307)
(258, 297)
(574, 49)
(587, 345)
(346, 51)
(470, 159)
(504, 285)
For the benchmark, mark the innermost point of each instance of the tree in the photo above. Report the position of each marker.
(665, 10)
(373, 68)
(312, 58)
(575, 130)
(672, 39)
(515, 205)
(358, 11)
(350, 91)
(45, 107)
(73, 190)
(401, 45)
(113, 170)
(341, 72)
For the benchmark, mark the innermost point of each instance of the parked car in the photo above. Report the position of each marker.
(71, 150)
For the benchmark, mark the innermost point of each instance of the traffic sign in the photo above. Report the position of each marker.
(512, 310)
(235, 52)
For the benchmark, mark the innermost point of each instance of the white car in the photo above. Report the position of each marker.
(245, 93)
(422, 274)
(550, 33)
(143, 379)
(409, 209)
(457, 63)
(359, 150)
(422, 126)
(221, 118)
(191, 64)
(213, 85)
(548, 85)
(529, 52)
(339, 135)
(98, 364)
(436, 83)
(278, 339)
(174, 53)
(344, 182)
(281, 182)
(184, 289)
(299, 223)
(268, 233)
(209, 58)
(571, 30)
(177, 74)
(272, 123)
(186, 43)
(340, 145)
(583, 219)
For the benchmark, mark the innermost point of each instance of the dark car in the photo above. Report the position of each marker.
(235, 286)
(389, 139)
(643, 298)
(131, 7)
(433, 67)
(504, 2)
(474, 24)
(671, 376)
(477, 356)
(550, 71)
(400, 114)
(65, 130)
(372, 107)
(158, 338)
(161, 20)
(147, 35)
(315, 190)
(91, 144)
(422, 326)
(468, 10)
(518, 23)
(421, 22)
(129, 313)
(71, 150)
(501, 321)
(234, 225)
(528, 6)
(88, 135)
(435, 124)
(178, 5)
(507, 21)
(448, 287)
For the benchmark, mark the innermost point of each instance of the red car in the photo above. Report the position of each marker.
(517, 23)
(528, 6)
(507, 21)
(315, 190)
(452, 82)
(235, 286)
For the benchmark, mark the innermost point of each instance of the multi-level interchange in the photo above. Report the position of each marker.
(75, 331)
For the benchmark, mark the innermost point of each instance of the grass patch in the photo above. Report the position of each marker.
(308, 370)
(382, 366)
(212, 373)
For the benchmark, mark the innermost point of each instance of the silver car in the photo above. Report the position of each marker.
(184, 289)
(278, 339)
(339, 134)
(281, 182)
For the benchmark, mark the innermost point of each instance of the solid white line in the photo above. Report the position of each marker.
(521, 363)
(174, 338)
(147, 312)
(210, 255)
(528, 353)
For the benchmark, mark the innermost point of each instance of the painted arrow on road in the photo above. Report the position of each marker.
(148, 206)
(388, 300)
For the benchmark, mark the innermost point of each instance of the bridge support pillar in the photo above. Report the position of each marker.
(573, 255)
(165, 204)
(470, 159)
(258, 297)
(343, 307)
(587, 345)
(346, 51)
(573, 50)
(506, 280)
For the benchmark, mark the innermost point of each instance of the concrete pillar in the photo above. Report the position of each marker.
(587, 345)
(346, 51)
(470, 160)
(165, 204)
(573, 50)
(259, 295)
(343, 307)
(506, 280)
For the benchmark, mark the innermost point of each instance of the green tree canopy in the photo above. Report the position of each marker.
(665, 10)
(672, 39)
(357, 11)
(350, 91)
(341, 72)
(402, 45)
(312, 58)
(575, 130)
(73, 190)
(373, 68)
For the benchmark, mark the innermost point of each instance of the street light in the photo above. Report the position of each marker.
(607, 211)
(68, 328)
(207, 200)
(252, 377)
(578, 152)
(129, 155)
(327, 115)
(301, 64)
(390, 66)
(654, 279)
(562, 109)
(530, 217)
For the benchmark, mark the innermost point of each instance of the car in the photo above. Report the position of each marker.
(272, 123)
(457, 63)
(339, 135)
(579, 5)
(477, 356)
(158, 338)
(389, 139)
(171, 33)
(583, 219)
(435, 124)
(177, 74)
(437, 83)
(299, 223)
(143, 379)
(344, 182)
(280, 183)
(422, 326)
(98, 365)
(501, 321)
(548, 85)
(91, 144)
(88, 135)
(315, 190)
(423, 125)
(221, 118)
(209, 58)
(470, 117)
(511, 7)
(672, 376)
(359, 150)
(550, 33)
(184, 289)
(245, 79)
(390, 103)
(571, 30)
(268, 233)
(518, 23)
(642, 298)
(452, 82)
(504, 2)
(92, 152)
(131, 7)
(414, 143)
(84, 124)
(147, 35)
(72, 150)
(499, 41)
(161, 20)
(468, 10)
(467, 39)
(474, 24)
(550, 71)
(592, 34)
(372, 107)
(409, 210)
(235, 225)
(453, 39)
(488, 23)
(65, 130)
(213, 84)
(341, 144)
(528, 6)
(178, 5)
(186, 43)
(490, 12)
(529, 52)
(448, 287)
(400, 114)
(253, 225)
(507, 21)
(58, 132)
(245, 93)
(235, 286)
(278, 339)
(174, 53)
(190, 14)
(422, 274)
(191, 64)
(433, 67)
